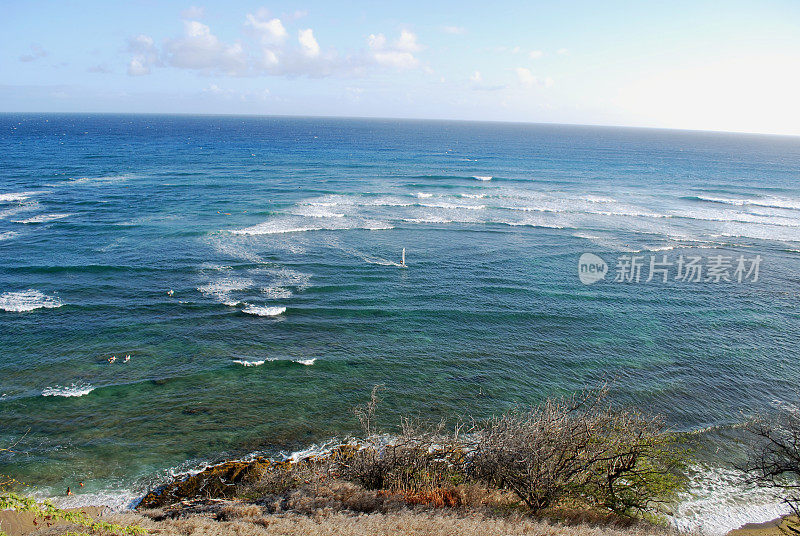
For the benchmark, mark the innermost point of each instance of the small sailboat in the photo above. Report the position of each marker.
(403, 259)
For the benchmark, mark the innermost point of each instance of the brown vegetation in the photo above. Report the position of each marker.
(774, 461)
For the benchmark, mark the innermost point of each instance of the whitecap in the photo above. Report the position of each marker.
(423, 195)
(263, 310)
(482, 177)
(7, 235)
(27, 300)
(74, 390)
(44, 218)
(306, 362)
(598, 199)
(299, 225)
(246, 363)
(107, 179)
(13, 197)
(452, 206)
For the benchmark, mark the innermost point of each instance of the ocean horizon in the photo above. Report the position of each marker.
(181, 289)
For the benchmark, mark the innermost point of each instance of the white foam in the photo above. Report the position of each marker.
(44, 218)
(720, 500)
(768, 201)
(316, 211)
(598, 199)
(7, 235)
(246, 363)
(423, 195)
(306, 362)
(282, 277)
(482, 177)
(116, 499)
(473, 196)
(74, 390)
(13, 197)
(100, 181)
(23, 207)
(281, 225)
(221, 289)
(371, 259)
(452, 206)
(276, 293)
(263, 310)
(27, 300)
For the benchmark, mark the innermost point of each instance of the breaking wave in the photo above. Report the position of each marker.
(27, 300)
(263, 310)
(74, 390)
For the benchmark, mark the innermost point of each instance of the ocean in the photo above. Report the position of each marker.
(250, 267)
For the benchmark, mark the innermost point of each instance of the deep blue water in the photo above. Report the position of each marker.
(240, 217)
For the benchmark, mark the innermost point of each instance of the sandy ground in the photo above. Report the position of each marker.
(19, 524)
(776, 527)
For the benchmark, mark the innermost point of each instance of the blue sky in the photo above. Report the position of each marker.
(729, 65)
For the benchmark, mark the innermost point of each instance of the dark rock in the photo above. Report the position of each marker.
(217, 481)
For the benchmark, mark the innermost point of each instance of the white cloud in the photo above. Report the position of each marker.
(201, 50)
(535, 54)
(215, 89)
(269, 59)
(308, 43)
(408, 42)
(525, 77)
(137, 68)
(269, 31)
(265, 50)
(454, 30)
(193, 13)
(562, 51)
(396, 59)
(476, 77)
(145, 55)
(36, 52)
(398, 55)
(376, 42)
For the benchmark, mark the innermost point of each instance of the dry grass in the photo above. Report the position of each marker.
(405, 522)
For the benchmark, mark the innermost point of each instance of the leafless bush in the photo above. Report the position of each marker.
(366, 413)
(577, 448)
(775, 456)
(418, 459)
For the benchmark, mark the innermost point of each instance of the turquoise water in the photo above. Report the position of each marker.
(199, 245)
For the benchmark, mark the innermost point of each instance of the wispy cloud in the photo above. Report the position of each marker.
(36, 53)
(527, 79)
(193, 13)
(454, 30)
